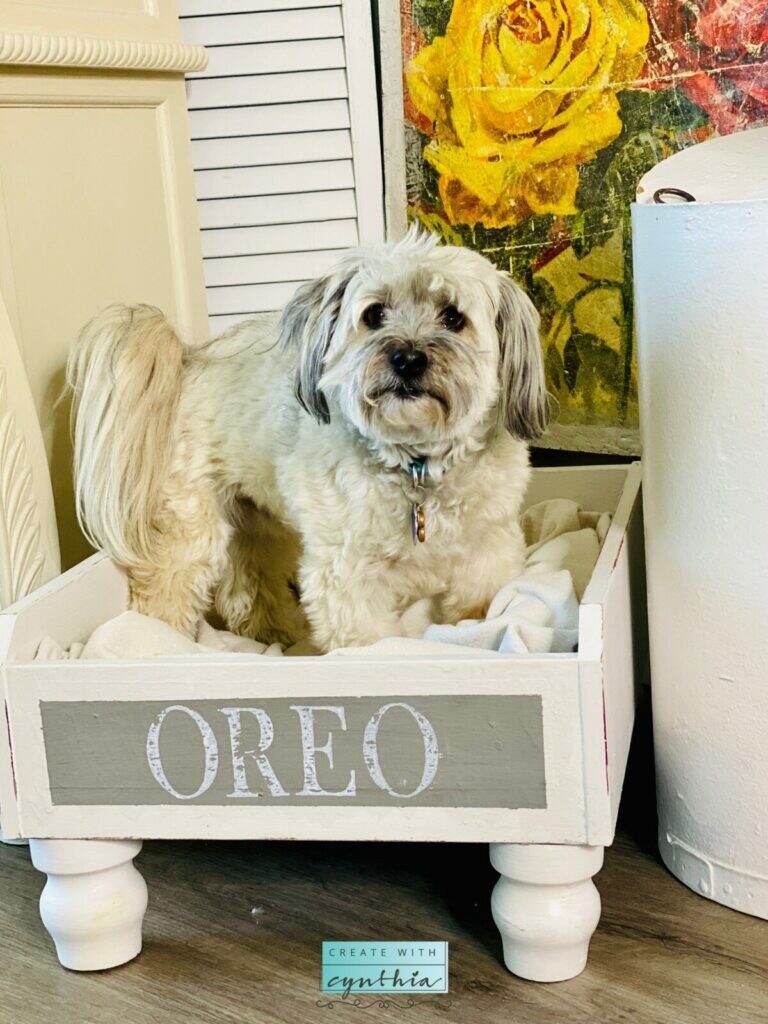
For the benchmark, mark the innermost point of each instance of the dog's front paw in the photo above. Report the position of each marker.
(382, 626)
(415, 620)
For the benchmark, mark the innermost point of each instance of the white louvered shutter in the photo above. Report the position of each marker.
(285, 144)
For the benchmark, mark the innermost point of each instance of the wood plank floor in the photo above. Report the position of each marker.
(234, 929)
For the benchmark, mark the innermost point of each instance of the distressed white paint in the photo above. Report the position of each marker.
(612, 618)
(311, 748)
(210, 748)
(371, 749)
(555, 677)
(546, 907)
(701, 283)
(94, 901)
(259, 756)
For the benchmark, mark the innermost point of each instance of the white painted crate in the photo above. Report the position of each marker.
(530, 749)
(585, 721)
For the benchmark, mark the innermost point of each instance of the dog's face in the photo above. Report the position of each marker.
(417, 344)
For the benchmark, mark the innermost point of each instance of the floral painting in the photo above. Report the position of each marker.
(528, 126)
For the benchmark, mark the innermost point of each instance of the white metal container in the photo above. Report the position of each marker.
(701, 291)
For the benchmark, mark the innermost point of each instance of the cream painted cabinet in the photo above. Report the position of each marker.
(97, 202)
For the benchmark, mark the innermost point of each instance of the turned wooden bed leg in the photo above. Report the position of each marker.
(94, 901)
(546, 907)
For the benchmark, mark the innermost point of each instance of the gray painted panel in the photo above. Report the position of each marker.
(447, 751)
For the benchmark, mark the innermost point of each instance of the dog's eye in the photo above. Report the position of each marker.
(373, 316)
(452, 319)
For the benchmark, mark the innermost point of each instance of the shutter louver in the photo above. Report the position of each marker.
(285, 145)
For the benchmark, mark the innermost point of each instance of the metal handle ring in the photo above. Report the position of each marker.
(679, 192)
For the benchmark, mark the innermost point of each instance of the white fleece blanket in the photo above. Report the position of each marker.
(536, 612)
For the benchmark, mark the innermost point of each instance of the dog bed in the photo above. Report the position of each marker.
(536, 612)
(524, 749)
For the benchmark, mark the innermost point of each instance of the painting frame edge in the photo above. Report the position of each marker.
(392, 116)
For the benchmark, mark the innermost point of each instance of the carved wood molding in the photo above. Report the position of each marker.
(40, 49)
(21, 552)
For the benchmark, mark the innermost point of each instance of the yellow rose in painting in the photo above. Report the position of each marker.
(519, 94)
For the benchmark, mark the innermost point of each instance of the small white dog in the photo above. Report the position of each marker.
(294, 477)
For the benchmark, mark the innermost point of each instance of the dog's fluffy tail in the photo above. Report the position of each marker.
(125, 373)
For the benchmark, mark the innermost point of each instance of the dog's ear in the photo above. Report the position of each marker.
(306, 327)
(523, 397)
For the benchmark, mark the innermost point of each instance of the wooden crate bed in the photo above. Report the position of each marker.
(525, 752)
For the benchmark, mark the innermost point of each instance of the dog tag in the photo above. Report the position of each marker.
(418, 524)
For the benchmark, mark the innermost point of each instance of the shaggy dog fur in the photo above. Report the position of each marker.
(269, 473)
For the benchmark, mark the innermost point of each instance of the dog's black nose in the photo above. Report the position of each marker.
(408, 363)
